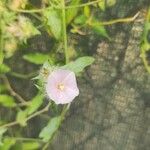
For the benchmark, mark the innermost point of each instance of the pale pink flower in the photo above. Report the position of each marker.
(61, 86)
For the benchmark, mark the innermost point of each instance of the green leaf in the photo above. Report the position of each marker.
(101, 5)
(87, 11)
(79, 64)
(2, 131)
(48, 131)
(81, 19)
(7, 100)
(100, 30)
(54, 22)
(110, 3)
(36, 102)
(71, 13)
(36, 58)
(30, 146)
(21, 117)
(4, 68)
(1, 57)
(7, 143)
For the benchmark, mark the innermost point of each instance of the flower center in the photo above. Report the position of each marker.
(60, 87)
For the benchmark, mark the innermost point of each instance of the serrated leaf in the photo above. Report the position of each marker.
(53, 22)
(30, 145)
(71, 13)
(79, 64)
(4, 68)
(48, 131)
(7, 101)
(36, 58)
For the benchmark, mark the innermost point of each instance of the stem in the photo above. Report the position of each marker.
(27, 139)
(65, 32)
(10, 89)
(45, 109)
(1, 41)
(145, 61)
(57, 7)
(130, 19)
(63, 113)
(23, 76)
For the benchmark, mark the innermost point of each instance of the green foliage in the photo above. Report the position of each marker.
(30, 145)
(7, 143)
(79, 64)
(4, 69)
(110, 3)
(3, 88)
(36, 58)
(16, 28)
(48, 131)
(7, 101)
(81, 19)
(2, 131)
(1, 56)
(145, 44)
(53, 22)
(71, 13)
(35, 103)
(101, 4)
(100, 30)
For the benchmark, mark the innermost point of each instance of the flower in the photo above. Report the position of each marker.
(61, 86)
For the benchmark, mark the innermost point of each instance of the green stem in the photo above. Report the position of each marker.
(57, 7)
(1, 41)
(45, 109)
(65, 32)
(27, 139)
(23, 76)
(120, 20)
(63, 114)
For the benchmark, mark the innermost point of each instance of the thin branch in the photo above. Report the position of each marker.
(45, 109)
(27, 139)
(23, 76)
(57, 7)
(121, 20)
(10, 89)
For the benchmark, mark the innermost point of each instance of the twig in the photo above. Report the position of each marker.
(10, 89)
(27, 139)
(45, 109)
(121, 20)
(23, 76)
(57, 7)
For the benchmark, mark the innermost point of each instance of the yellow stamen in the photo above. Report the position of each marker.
(61, 86)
